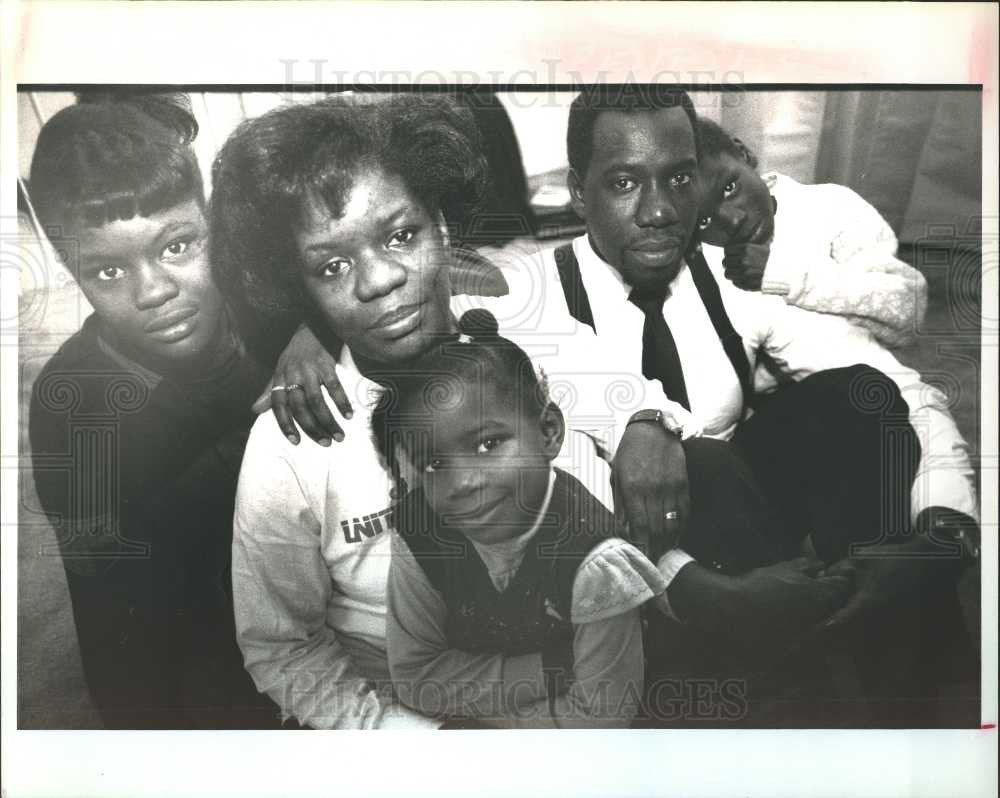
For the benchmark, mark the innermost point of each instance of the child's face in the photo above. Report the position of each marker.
(485, 469)
(149, 281)
(736, 205)
(378, 274)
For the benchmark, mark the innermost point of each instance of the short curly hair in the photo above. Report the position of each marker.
(273, 165)
(112, 156)
(595, 100)
(716, 141)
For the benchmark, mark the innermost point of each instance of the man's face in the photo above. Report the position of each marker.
(639, 195)
(148, 279)
(736, 206)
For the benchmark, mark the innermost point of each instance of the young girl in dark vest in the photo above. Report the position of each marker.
(139, 421)
(510, 601)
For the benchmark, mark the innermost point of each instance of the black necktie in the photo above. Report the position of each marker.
(660, 360)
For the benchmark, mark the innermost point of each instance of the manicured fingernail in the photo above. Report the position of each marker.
(349, 414)
(293, 439)
(324, 441)
(338, 436)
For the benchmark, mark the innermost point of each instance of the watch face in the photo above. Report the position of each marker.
(654, 416)
(952, 536)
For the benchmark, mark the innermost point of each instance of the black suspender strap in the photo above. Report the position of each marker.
(572, 285)
(732, 343)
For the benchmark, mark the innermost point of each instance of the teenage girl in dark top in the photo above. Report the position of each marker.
(138, 422)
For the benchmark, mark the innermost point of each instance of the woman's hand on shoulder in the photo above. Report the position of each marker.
(295, 391)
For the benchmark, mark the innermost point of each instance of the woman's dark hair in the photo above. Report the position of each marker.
(272, 165)
(716, 141)
(593, 101)
(114, 155)
(439, 377)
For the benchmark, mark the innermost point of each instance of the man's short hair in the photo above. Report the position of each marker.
(593, 101)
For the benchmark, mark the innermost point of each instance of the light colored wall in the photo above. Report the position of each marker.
(900, 150)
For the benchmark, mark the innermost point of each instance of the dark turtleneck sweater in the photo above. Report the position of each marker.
(137, 472)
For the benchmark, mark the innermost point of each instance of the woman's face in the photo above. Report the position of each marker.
(149, 281)
(379, 273)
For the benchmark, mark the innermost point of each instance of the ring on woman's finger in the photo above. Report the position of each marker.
(671, 515)
(293, 386)
(278, 388)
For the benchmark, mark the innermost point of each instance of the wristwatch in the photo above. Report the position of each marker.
(950, 526)
(681, 424)
(965, 537)
(647, 415)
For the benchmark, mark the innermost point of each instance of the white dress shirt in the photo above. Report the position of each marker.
(310, 549)
(597, 377)
(799, 342)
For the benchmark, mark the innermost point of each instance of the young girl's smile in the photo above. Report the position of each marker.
(485, 464)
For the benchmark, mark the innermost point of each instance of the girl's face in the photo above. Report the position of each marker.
(736, 206)
(379, 273)
(149, 281)
(485, 467)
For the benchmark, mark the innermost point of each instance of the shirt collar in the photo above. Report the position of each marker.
(607, 278)
(518, 544)
(543, 509)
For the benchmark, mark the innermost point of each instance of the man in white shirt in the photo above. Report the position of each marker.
(634, 186)
(633, 158)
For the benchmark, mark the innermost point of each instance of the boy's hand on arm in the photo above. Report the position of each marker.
(295, 391)
(744, 264)
(652, 499)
